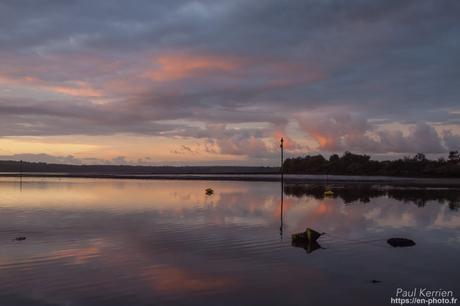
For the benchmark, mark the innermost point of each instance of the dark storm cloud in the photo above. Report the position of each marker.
(251, 62)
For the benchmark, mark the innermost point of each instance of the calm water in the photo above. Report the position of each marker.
(134, 242)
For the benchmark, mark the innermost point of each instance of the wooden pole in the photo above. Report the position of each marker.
(282, 187)
(20, 174)
(282, 154)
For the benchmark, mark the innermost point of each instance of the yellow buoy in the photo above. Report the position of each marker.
(209, 191)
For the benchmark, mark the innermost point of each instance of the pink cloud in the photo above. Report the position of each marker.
(340, 132)
(175, 67)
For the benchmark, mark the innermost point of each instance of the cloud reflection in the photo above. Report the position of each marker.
(93, 240)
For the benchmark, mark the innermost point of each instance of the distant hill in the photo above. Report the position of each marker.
(15, 166)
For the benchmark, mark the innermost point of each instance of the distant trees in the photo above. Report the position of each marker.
(357, 164)
(33, 167)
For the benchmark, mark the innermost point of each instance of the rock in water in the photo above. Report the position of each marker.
(400, 242)
(20, 238)
(309, 235)
(309, 246)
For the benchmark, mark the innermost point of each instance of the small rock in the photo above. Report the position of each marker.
(20, 238)
(400, 242)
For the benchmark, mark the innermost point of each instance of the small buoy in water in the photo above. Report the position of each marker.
(400, 242)
(209, 191)
(20, 238)
(328, 193)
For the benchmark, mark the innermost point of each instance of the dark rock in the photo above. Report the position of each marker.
(400, 242)
(305, 237)
(20, 238)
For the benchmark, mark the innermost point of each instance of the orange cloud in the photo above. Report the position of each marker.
(323, 141)
(80, 89)
(174, 67)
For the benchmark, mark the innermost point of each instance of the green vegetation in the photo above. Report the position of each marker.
(356, 164)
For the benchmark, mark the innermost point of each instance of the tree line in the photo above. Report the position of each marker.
(40, 167)
(357, 164)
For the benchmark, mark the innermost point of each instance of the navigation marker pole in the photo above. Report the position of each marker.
(20, 175)
(282, 187)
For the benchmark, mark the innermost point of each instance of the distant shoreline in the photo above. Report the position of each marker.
(288, 178)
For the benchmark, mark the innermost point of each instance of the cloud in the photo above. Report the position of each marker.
(219, 139)
(185, 150)
(341, 132)
(451, 140)
(177, 69)
(422, 138)
(237, 145)
(46, 158)
(174, 67)
(69, 159)
(337, 132)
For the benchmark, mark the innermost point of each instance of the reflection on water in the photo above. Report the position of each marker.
(134, 242)
(364, 193)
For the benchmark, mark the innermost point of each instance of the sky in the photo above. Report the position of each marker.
(219, 82)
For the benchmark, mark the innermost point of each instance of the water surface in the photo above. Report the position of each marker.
(137, 242)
